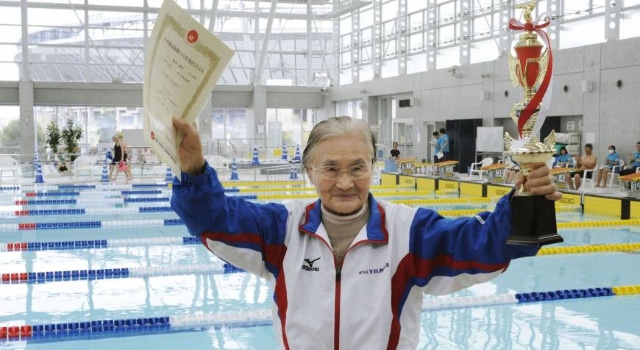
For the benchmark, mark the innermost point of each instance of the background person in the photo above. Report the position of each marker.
(444, 144)
(634, 161)
(588, 161)
(564, 159)
(371, 299)
(612, 160)
(395, 152)
(116, 156)
(437, 147)
(121, 163)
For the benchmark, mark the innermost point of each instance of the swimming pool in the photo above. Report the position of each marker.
(103, 267)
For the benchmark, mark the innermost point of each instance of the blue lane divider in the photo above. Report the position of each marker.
(65, 225)
(89, 224)
(135, 192)
(563, 294)
(140, 200)
(130, 324)
(71, 187)
(46, 201)
(191, 240)
(154, 209)
(150, 185)
(114, 273)
(172, 222)
(56, 212)
(96, 244)
(53, 194)
(50, 332)
(63, 276)
(57, 245)
(73, 211)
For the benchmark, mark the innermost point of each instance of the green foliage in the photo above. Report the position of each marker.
(53, 136)
(10, 135)
(70, 134)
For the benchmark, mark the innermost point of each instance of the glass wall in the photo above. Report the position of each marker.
(231, 134)
(288, 128)
(71, 41)
(10, 130)
(434, 31)
(351, 108)
(99, 124)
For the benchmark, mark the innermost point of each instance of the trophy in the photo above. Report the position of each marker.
(533, 219)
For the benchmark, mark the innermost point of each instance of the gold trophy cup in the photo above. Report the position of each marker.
(533, 219)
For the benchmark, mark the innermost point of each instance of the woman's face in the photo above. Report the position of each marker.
(342, 195)
(563, 151)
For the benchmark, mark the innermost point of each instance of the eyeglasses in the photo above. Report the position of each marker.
(355, 172)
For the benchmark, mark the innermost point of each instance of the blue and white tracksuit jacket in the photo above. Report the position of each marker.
(372, 301)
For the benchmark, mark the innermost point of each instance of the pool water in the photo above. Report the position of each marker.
(214, 307)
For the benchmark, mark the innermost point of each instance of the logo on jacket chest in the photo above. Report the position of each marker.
(374, 271)
(307, 264)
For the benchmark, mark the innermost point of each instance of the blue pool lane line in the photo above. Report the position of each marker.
(103, 200)
(82, 211)
(73, 211)
(52, 332)
(28, 226)
(96, 244)
(115, 273)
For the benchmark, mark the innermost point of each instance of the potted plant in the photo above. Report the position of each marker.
(53, 140)
(70, 134)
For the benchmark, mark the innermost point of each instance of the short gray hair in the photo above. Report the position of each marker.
(338, 126)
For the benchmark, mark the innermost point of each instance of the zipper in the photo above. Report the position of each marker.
(336, 337)
(336, 326)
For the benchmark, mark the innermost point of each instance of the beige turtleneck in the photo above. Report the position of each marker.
(343, 229)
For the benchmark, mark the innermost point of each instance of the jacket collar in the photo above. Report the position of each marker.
(376, 225)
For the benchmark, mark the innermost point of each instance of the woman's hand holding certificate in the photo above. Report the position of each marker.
(182, 65)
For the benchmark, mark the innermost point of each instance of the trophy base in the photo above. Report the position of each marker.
(533, 221)
(535, 240)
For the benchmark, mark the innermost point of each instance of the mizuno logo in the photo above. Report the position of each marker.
(308, 265)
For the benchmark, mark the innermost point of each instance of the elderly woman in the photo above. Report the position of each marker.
(348, 269)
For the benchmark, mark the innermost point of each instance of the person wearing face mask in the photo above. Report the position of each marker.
(612, 160)
(348, 269)
(634, 162)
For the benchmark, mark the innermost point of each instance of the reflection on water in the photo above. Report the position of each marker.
(597, 323)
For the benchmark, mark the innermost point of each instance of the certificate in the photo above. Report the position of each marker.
(182, 65)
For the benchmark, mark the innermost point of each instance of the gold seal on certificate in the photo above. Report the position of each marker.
(183, 62)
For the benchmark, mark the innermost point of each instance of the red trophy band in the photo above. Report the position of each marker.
(528, 57)
(533, 221)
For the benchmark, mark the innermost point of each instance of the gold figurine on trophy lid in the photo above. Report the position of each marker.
(533, 218)
(531, 69)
